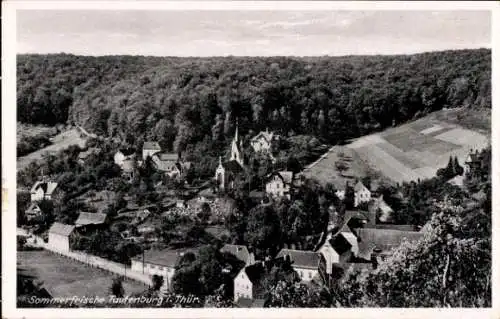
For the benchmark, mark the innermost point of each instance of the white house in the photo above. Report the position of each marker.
(262, 141)
(279, 184)
(305, 263)
(361, 194)
(60, 236)
(241, 252)
(336, 249)
(149, 149)
(157, 262)
(123, 155)
(44, 190)
(247, 284)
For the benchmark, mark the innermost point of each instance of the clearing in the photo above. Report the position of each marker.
(59, 142)
(408, 152)
(64, 277)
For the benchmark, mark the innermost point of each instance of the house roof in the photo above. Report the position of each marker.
(395, 227)
(61, 229)
(90, 218)
(344, 267)
(240, 251)
(255, 273)
(384, 239)
(359, 187)
(232, 166)
(340, 244)
(47, 187)
(300, 258)
(286, 176)
(149, 145)
(165, 258)
(128, 164)
(268, 136)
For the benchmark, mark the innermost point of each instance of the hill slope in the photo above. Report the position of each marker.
(408, 152)
(191, 104)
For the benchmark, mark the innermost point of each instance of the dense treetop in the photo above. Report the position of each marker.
(185, 101)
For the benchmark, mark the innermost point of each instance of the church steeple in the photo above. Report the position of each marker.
(236, 153)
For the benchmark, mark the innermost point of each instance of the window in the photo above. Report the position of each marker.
(301, 274)
(310, 275)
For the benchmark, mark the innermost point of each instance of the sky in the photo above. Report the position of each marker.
(249, 33)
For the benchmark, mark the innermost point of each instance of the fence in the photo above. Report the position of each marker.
(91, 260)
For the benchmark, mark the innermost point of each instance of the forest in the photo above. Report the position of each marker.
(192, 104)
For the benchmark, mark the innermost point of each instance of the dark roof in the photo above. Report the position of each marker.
(286, 176)
(255, 273)
(340, 244)
(90, 219)
(256, 194)
(360, 187)
(240, 251)
(384, 239)
(258, 303)
(61, 229)
(344, 267)
(232, 166)
(33, 206)
(151, 146)
(165, 258)
(300, 258)
(167, 156)
(127, 151)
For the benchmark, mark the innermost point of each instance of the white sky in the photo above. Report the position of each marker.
(249, 33)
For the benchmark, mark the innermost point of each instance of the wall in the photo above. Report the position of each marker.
(242, 286)
(306, 274)
(59, 242)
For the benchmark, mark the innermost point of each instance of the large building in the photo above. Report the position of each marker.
(60, 236)
(157, 262)
(305, 263)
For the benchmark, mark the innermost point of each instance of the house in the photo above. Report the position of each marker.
(361, 194)
(262, 142)
(149, 149)
(123, 155)
(157, 262)
(338, 248)
(88, 221)
(44, 190)
(376, 243)
(248, 282)
(279, 184)
(473, 161)
(340, 270)
(32, 212)
(241, 252)
(126, 160)
(60, 236)
(305, 263)
(165, 162)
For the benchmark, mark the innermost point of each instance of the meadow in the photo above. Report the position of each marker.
(412, 151)
(64, 277)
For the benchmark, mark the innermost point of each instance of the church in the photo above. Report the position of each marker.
(227, 172)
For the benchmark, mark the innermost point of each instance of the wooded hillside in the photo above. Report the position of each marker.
(186, 101)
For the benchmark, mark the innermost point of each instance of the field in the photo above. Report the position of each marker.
(64, 277)
(59, 142)
(410, 151)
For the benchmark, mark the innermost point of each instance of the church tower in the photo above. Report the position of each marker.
(236, 149)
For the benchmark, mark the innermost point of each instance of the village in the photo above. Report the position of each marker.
(357, 235)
